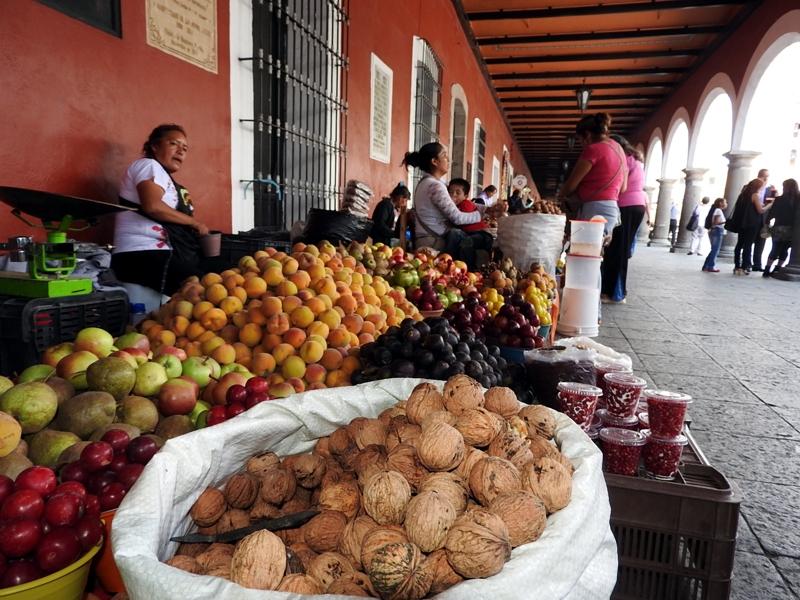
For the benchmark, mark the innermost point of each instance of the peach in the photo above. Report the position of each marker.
(326, 286)
(229, 333)
(247, 263)
(281, 390)
(343, 276)
(347, 303)
(368, 327)
(250, 335)
(272, 275)
(306, 260)
(283, 351)
(327, 300)
(240, 319)
(295, 337)
(311, 351)
(271, 305)
(298, 247)
(286, 288)
(315, 272)
(319, 339)
(215, 293)
(342, 288)
(256, 315)
(350, 365)
(275, 379)
(278, 324)
(290, 266)
(338, 337)
(365, 338)
(318, 328)
(331, 318)
(214, 319)
(244, 356)
(353, 323)
(331, 359)
(255, 287)
(194, 330)
(315, 373)
(208, 346)
(199, 309)
(302, 316)
(339, 311)
(210, 279)
(316, 305)
(349, 262)
(317, 385)
(353, 338)
(290, 303)
(312, 249)
(183, 308)
(262, 364)
(301, 279)
(336, 379)
(297, 383)
(231, 305)
(293, 366)
(193, 349)
(270, 341)
(224, 354)
(240, 293)
(180, 324)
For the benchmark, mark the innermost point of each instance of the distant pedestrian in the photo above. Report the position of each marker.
(746, 221)
(781, 218)
(699, 230)
(715, 224)
(673, 226)
(767, 192)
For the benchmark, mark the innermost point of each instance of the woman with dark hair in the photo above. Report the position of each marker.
(437, 218)
(782, 216)
(633, 208)
(600, 174)
(157, 245)
(746, 220)
(715, 223)
(384, 215)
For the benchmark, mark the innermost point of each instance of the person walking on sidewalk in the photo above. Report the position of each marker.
(673, 226)
(781, 219)
(715, 223)
(767, 192)
(699, 230)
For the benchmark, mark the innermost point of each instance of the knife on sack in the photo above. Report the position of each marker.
(285, 522)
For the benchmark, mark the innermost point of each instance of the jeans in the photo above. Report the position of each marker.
(615, 257)
(715, 235)
(743, 252)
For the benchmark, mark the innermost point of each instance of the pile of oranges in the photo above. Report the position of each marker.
(291, 316)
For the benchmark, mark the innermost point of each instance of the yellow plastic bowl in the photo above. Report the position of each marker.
(66, 584)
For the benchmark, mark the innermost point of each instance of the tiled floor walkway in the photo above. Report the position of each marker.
(733, 343)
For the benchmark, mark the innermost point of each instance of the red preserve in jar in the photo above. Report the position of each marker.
(662, 455)
(610, 420)
(644, 421)
(666, 412)
(578, 401)
(621, 450)
(623, 391)
(602, 367)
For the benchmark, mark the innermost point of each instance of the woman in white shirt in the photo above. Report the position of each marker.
(157, 245)
(715, 223)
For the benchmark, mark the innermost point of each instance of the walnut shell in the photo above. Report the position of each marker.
(390, 413)
(478, 426)
(507, 444)
(450, 485)
(333, 473)
(401, 431)
(185, 563)
(308, 470)
(395, 573)
(440, 447)
(523, 513)
(291, 536)
(403, 459)
(366, 432)
(241, 490)
(369, 461)
(295, 505)
(443, 575)
(208, 508)
(501, 400)
(377, 538)
(258, 464)
(323, 447)
(277, 485)
(192, 550)
(462, 392)
(343, 447)
(429, 517)
(492, 476)
(358, 584)
(477, 545)
(539, 419)
(262, 509)
(323, 532)
(424, 399)
(303, 553)
(259, 561)
(234, 518)
(439, 416)
(343, 497)
(541, 447)
(352, 536)
(224, 572)
(217, 555)
(471, 457)
(549, 481)
(300, 584)
(518, 425)
(328, 567)
(386, 496)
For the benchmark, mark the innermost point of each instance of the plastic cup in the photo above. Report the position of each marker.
(586, 237)
(644, 421)
(211, 244)
(578, 401)
(623, 391)
(601, 367)
(662, 455)
(621, 450)
(610, 420)
(666, 411)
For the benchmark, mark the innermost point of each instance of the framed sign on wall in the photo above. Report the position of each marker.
(380, 121)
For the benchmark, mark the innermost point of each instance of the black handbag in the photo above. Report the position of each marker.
(693, 222)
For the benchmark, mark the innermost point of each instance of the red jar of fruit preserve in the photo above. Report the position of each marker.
(621, 450)
(578, 401)
(666, 412)
(662, 456)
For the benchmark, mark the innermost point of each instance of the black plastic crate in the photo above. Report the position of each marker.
(675, 539)
(235, 246)
(28, 327)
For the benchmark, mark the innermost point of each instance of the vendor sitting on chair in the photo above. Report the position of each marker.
(157, 246)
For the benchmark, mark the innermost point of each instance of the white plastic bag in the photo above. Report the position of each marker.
(601, 351)
(575, 557)
(531, 238)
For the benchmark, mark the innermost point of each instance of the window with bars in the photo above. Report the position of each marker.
(459, 139)
(427, 98)
(479, 158)
(300, 57)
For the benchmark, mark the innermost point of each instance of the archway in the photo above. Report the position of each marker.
(712, 140)
(654, 163)
(676, 158)
(459, 108)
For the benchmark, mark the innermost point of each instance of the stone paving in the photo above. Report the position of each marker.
(733, 343)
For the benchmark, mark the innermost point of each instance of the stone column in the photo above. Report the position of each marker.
(661, 232)
(691, 198)
(740, 165)
(791, 272)
(644, 231)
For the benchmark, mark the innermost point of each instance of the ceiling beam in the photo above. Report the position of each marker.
(585, 74)
(594, 36)
(593, 99)
(596, 9)
(590, 56)
(575, 109)
(565, 87)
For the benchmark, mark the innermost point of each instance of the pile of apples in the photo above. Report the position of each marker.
(471, 314)
(239, 398)
(44, 526)
(516, 325)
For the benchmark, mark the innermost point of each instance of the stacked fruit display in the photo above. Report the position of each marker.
(435, 491)
(431, 349)
(515, 325)
(547, 207)
(44, 526)
(430, 297)
(469, 315)
(501, 276)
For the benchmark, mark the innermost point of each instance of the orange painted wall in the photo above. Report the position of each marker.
(77, 104)
(387, 29)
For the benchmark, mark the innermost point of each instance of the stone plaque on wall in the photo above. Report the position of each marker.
(186, 29)
(380, 123)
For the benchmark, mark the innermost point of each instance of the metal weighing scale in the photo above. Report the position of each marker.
(50, 264)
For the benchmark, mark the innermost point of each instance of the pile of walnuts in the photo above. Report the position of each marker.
(547, 207)
(437, 489)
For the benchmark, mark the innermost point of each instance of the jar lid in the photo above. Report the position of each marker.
(610, 366)
(625, 379)
(666, 396)
(624, 437)
(583, 389)
(615, 421)
(644, 420)
(680, 440)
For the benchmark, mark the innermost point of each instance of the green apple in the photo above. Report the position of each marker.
(73, 367)
(95, 340)
(36, 373)
(5, 384)
(199, 409)
(202, 369)
(133, 340)
(236, 368)
(149, 378)
(171, 363)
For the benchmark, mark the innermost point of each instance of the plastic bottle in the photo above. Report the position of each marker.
(138, 313)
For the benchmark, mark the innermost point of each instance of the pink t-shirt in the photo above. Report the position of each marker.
(604, 180)
(634, 194)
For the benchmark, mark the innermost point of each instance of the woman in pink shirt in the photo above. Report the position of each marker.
(633, 208)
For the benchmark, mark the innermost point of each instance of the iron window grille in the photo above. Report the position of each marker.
(427, 101)
(300, 103)
(479, 159)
